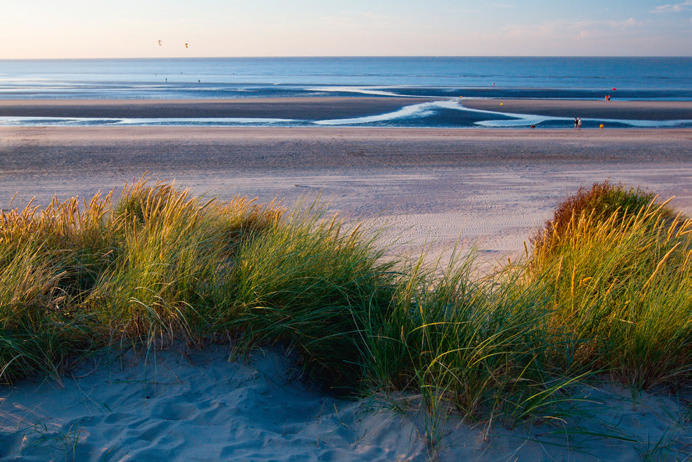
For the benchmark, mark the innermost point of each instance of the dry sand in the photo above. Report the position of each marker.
(188, 405)
(492, 186)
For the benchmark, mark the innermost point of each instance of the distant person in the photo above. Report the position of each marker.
(579, 123)
(576, 123)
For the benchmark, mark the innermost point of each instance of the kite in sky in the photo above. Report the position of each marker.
(187, 45)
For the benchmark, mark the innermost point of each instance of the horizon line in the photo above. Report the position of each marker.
(345, 56)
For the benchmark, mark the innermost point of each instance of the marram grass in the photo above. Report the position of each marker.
(621, 286)
(606, 291)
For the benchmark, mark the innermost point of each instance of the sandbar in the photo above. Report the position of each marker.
(311, 108)
(613, 109)
(325, 108)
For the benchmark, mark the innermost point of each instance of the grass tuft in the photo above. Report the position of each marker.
(596, 204)
(621, 288)
(605, 289)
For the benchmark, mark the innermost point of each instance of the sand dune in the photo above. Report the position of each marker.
(183, 404)
(489, 187)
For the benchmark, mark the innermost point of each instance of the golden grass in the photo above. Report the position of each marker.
(607, 290)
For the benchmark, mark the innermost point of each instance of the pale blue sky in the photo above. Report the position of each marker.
(132, 28)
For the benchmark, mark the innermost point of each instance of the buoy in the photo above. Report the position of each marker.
(601, 126)
(501, 104)
(614, 89)
(460, 97)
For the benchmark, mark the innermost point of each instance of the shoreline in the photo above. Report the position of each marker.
(325, 108)
(600, 109)
(78, 134)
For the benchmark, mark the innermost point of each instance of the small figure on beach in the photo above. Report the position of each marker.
(579, 123)
(607, 98)
(576, 123)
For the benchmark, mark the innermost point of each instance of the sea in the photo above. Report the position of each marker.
(447, 78)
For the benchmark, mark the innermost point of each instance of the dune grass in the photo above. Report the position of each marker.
(605, 289)
(621, 285)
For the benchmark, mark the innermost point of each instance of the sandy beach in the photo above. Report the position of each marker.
(184, 404)
(490, 188)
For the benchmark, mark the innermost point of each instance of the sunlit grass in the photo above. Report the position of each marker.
(604, 290)
(621, 286)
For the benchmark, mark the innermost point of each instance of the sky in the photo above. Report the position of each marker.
(37, 29)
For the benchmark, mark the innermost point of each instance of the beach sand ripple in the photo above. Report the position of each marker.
(196, 405)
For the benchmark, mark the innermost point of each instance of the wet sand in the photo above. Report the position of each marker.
(613, 109)
(322, 108)
(279, 108)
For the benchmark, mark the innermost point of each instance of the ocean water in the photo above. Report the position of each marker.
(657, 79)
